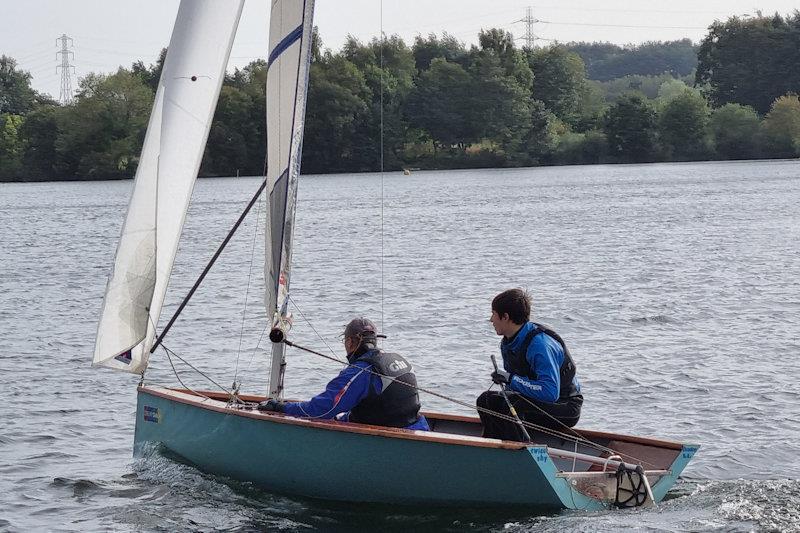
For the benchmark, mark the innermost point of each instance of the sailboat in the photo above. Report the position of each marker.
(222, 433)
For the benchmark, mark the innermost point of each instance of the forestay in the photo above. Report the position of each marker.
(176, 136)
(291, 24)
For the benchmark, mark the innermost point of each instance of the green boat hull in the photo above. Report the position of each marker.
(319, 461)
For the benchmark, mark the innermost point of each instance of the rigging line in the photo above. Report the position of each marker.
(573, 431)
(383, 39)
(255, 350)
(175, 371)
(187, 363)
(231, 401)
(257, 346)
(541, 429)
(247, 290)
(208, 266)
(311, 325)
(548, 415)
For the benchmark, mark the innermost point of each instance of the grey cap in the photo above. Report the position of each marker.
(361, 327)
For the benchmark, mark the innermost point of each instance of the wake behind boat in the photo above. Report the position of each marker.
(223, 433)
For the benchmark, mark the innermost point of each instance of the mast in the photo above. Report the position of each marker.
(290, 33)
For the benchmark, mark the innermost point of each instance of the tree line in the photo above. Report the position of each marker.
(441, 104)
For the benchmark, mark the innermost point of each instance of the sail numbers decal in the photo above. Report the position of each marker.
(151, 414)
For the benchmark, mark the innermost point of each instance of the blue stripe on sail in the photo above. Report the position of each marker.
(285, 43)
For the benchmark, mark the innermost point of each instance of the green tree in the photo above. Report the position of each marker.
(501, 105)
(671, 89)
(426, 49)
(501, 41)
(591, 106)
(441, 104)
(388, 68)
(560, 79)
(630, 127)
(227, 148)
(683, 126)
(648, 86)
(338, 99)
(513, 61)
(250, 81)
(16, 95)
(102, 133)
(605, 61)
(10, 146)
(541, 138)
(40, 159)
(581, 148)
(150, 75)
(782, 127)
(735, 129)
(750, 61)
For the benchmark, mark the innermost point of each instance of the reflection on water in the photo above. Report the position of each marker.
(674, 285)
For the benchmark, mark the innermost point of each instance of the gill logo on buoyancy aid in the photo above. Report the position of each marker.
(517, 360)
(397, 365)
(397, 404)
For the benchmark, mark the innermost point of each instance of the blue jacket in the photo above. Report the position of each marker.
(342, 394)
(545, 356)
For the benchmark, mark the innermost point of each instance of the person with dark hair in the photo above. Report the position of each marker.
(376, 387)
(538, 372)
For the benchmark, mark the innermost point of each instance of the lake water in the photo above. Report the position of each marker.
(676, 286)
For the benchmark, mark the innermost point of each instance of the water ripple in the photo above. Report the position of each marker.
(675, 287)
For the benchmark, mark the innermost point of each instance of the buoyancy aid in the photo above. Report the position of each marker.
(397, 405)
(516, 361)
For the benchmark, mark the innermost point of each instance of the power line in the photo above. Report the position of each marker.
(633, 10)
(36, 53)
(66, 69)
(633, 26)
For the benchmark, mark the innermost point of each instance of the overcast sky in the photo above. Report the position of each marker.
(110, 33)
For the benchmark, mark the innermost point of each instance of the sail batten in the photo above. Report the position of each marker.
(186, 97)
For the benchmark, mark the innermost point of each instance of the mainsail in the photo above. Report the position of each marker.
(290, 33)
(173, 148)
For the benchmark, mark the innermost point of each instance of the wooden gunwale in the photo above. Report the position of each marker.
(191, 397)
(588, 434)
(187, 397)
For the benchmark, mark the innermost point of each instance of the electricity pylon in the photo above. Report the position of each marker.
(66, 69)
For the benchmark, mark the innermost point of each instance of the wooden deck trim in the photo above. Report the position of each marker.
(451, 417)
(187, 397)
(589, 434)
(646, 441)
(404, 433)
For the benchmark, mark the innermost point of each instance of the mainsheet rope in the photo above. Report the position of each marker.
(576, 437)
(542, 429)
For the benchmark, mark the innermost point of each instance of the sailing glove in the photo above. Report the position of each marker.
(271, 405)
(501, 377)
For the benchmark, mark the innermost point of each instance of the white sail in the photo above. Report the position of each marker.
(173, 148)
(290, 32)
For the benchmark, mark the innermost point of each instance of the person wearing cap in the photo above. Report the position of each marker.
(376, 387)
(538, 372)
